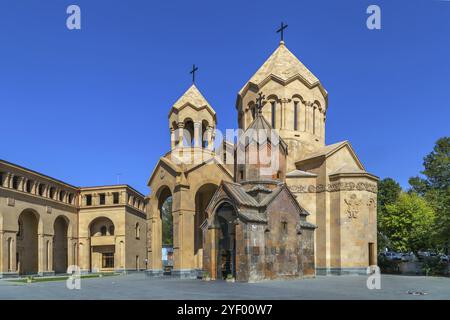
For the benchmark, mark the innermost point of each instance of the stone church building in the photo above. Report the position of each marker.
(310, 210)
(218, 202)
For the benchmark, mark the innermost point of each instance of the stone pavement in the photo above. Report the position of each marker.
(138, 286)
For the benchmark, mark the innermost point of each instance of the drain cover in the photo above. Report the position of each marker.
(417, 293)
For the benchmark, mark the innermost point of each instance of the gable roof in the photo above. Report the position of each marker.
(329, 150)
(163, 161)
(300, 173)
(283, 66)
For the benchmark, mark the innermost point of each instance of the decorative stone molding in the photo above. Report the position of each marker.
(353, 205)
(162, 174)
(10, 202)
(332, 187)
(372, 203)
(48, 209)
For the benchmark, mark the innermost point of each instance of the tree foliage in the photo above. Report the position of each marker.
(408, 222)
(167, 222)
(435, 187)
(388, 192)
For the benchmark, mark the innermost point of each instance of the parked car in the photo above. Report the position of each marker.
(391, 255)
(444, 258)
(407, 257)
(423, 254)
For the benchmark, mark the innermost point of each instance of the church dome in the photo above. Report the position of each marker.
(283, 66)
(192, 120)
(295, 104)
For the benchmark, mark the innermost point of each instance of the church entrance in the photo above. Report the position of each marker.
(226, 259)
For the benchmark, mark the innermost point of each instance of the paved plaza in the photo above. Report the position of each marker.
(138, 286)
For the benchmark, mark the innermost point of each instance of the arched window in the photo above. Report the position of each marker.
(273, 109)
(137, 230)
(295, 115)
(103, 230)
(52, 193)
(71, 198)
(61, 196)
(28, 186)
(41, 189)
(15, 183)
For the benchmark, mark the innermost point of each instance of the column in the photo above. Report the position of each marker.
(84, 253)
(209, 135)
(284, 113)
(24, 184)
(123, 197)
(197, 134)
(45, 254)
(180, 134)
(183, 212)
(323, 125)
(172, 139)
(9, 179)
(154, 238)
(309, 117)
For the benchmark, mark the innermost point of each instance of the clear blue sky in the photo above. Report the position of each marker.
(82, 106)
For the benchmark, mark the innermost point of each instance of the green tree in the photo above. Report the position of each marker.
(167, 222)
(435, 187)
(388, 192)
(408, 222)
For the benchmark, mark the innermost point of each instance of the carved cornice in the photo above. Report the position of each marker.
(333, 187)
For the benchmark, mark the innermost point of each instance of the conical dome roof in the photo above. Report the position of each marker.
(192, 97)
(285, 67)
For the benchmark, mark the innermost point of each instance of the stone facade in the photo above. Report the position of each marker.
(47, 225)
(328, 181)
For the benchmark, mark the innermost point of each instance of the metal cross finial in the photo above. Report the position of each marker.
(259, 102)
(194, 69)
(281, 30)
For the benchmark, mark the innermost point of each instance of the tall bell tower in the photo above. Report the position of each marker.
(295, 106)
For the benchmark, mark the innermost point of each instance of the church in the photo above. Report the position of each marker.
(314, 214)
(274, 201)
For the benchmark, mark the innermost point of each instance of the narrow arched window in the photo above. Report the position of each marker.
(41, 190)
(272, 104)
(28, 186)
(295, 115)
(52, 193)
(15, 183)
(138, 231)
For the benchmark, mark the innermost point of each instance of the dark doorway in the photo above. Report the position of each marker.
(226, 260)
(60, 261)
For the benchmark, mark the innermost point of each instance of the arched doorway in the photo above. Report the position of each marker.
(202, 198)
(60, 256)
(103, 246)
(226, 253)
(165, 213)
(27, 243)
